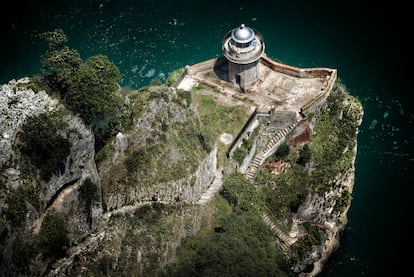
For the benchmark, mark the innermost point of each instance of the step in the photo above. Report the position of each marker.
(284, 247)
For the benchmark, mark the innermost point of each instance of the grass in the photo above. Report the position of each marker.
(173, 77)
(172, 151)
(217, 119)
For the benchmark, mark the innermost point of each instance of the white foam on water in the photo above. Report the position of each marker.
(150, 73)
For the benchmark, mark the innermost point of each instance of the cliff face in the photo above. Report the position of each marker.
(27, 194)
(102, 203)
(327, 207)
(43, 202)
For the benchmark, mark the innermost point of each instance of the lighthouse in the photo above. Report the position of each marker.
(243, 47)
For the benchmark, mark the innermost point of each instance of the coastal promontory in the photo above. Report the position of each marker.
(238, 165)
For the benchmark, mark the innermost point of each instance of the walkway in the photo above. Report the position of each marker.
(285, 240)
(260, 157)
(212, 190)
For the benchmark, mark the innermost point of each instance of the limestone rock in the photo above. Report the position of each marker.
(61, 192)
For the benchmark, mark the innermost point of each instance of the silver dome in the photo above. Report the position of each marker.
(242, 34)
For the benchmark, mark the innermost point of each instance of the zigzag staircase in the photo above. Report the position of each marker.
(285, 240)
(260, 157)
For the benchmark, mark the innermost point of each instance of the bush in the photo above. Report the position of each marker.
(53, 235)
(238, 156)
(44, 146)
(185, 95)
(304, 155)
(17, 209)
(342, 202)
(25, 249)
(282, 151)
(140, 160)
(88, 89)
(88, 192)
(173, 77)
(240, 245)
(303, 246)
(245, 194)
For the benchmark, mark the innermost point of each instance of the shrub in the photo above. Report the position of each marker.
(240, 245)
(44, 146)
(88, 89)
(342, 202)
(304, 155)
(238, 156)
(139, 160)
(17, 209)
(25, 249)
(248, 197)
(185, 95)
(88, 192)
(282, 151)
(53, 235)
(173, 77)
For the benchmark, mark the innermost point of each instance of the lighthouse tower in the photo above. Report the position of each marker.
(243, 48)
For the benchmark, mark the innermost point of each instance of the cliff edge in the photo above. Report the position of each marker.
(217, 167)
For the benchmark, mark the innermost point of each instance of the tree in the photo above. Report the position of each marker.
(59, 62)
(88, 89)
(53, 235)
(304, 155)
(43, 145)
(282, 151)
(56, 38)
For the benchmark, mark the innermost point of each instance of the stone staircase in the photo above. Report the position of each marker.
(285, 240)
(260, 157)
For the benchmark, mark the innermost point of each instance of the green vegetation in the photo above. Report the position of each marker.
(173, 77)
(52, 241)
(303, 247)
(282, 151)
(53, 235)
(334, 140)
(173, 148)
(88, 88)
(237, 244)
(185, 96)
(43, 144)
(342, 202)
(285, 193)
(88, 192)
(331, 153)
(217, 119)
(238, 156)
(242, 194)
(146, 235)
(17, 199)
(304, 155)
(25, 249)
(141, 160)
(240, 246)
(240, 153)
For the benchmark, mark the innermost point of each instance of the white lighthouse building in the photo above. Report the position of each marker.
(243, 47)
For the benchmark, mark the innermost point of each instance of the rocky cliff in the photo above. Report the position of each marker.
(66, 211)
(28, 194)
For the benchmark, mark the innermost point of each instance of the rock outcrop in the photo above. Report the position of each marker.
(23, 185)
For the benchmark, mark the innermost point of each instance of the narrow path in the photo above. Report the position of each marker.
(94, 239)
(212, 190)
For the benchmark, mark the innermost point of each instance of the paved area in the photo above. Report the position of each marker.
(274, 89)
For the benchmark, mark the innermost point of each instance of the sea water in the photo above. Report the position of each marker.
(148, 39)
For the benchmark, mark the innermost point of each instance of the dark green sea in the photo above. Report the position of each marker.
(366, 42)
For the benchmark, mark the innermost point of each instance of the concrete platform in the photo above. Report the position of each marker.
(280, 88)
